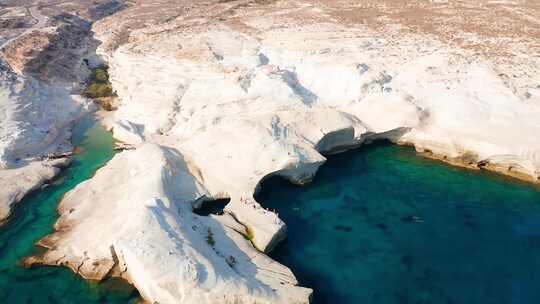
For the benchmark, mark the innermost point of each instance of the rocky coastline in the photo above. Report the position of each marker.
(44, 64)
(216, 96)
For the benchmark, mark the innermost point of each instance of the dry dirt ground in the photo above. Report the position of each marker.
(495, 28)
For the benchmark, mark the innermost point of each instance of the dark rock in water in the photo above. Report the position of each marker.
(382, 226)
(407, 219)
(364, 210)
(349, 199)
(407, 260)
(411, 219)
(343, 228)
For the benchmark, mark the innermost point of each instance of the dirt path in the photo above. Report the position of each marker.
(41, 20)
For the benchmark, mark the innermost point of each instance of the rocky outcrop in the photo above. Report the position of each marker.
(17, 182)
(42, 70)
(36, 120)
(151, 237)
(233, 92)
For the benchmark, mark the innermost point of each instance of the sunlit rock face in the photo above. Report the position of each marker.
(151, 237)
(238, 91)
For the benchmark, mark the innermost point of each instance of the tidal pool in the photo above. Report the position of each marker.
(34, 217)
(383, 225)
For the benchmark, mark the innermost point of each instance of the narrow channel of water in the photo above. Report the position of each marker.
(382, 225)
(34, 217)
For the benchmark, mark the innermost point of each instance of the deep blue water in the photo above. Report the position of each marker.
(382, 225)
(377, 225)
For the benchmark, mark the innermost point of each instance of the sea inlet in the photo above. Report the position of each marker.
(383, 225)
(34, 217)
(378, 224)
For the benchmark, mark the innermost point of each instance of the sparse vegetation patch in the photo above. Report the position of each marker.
(100, 89)
(249, 234)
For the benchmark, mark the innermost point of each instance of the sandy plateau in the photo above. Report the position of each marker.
(215, 96)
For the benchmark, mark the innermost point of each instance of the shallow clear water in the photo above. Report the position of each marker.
(382, 225)
(34, 217)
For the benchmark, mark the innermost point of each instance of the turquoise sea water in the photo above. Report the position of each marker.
(382, 225)
(377, 225)
(34, 217)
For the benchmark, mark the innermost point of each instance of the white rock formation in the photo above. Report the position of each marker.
(150, 236)
(41, 72)
(36, 119)
(219, 95)
(17, 182)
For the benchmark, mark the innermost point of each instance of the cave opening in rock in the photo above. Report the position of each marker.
(212, 207)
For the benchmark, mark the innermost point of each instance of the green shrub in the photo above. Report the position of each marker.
(98, 85)
(249, 234)
(101, 75)
(97, 90)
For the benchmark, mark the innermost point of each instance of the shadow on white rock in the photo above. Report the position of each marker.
(135, 219)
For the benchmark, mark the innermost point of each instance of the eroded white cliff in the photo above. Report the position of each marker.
(222, 95)
(151, 237)
(36, 124)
